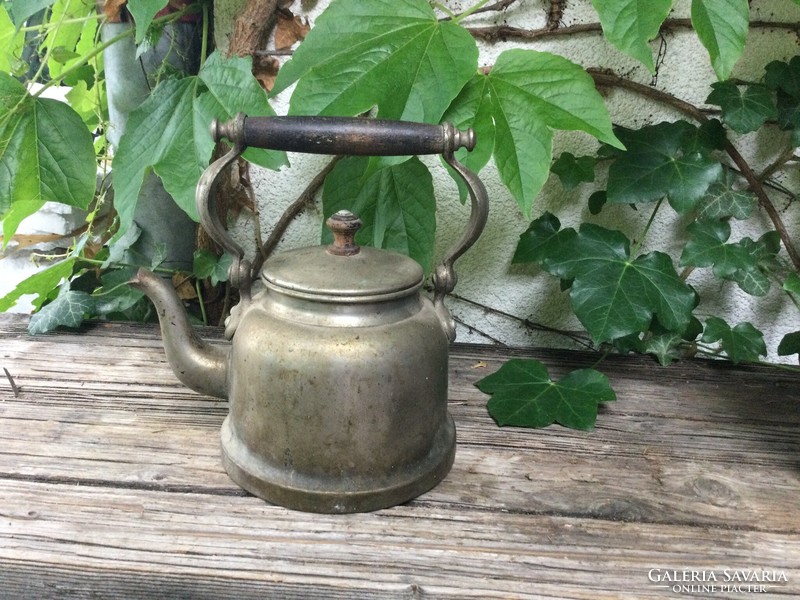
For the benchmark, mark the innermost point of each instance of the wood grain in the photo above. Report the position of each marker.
(111, 486)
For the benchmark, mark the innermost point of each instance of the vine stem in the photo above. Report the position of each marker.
(48, 26)
(204, 39)
(305, 198)
(471, 10)
(652, 218)
(608, 78)
(503, 32)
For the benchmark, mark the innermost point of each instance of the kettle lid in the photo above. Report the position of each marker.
(343, 271)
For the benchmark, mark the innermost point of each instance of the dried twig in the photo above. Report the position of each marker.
(14, 387)
(575, 337)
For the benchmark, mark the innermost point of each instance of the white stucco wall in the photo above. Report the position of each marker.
(485, 273)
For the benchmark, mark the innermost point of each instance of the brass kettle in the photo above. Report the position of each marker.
(337, 370)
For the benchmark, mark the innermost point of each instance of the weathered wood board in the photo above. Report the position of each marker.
(111, 487)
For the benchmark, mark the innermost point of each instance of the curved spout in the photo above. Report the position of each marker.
(199, 365)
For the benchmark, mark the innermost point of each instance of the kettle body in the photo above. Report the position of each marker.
(336, 410)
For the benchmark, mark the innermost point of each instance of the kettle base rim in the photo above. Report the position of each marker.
(326, 494)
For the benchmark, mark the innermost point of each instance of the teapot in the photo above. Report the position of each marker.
(337, 370)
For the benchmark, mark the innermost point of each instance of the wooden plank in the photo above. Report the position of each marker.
(144, 544)
(111, 485)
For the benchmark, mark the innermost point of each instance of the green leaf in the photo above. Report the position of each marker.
(722, 28)
(115, 296)
(525, 95)
(788, 111)
(707, 248)
(169, 132)
(46, 154)
(784, 76)
(597, 200)
(743, 110)
(393, 54)
(62, 40)
(662, 160)
(742, 343)
(612, 294)
(665, 347)
(67, 310)
(631, 24)
(11, 43)
(21, 10)
(396, 205)
(231, 89)
(790, 344)
(40, 284)
(722, 201)
(523, 395)
(208, 265)
(143, 12)
(792, 284)
(573, 171)
(763, 252)
(545, 239)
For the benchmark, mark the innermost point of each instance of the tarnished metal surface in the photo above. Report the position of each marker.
(199, 365)
(337, 375)
(338, 410)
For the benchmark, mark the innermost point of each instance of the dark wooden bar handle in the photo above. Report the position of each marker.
(352, 136)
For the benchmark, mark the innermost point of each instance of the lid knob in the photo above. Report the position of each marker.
(344, 226)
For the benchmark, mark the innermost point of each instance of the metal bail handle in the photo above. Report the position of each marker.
(350, 136)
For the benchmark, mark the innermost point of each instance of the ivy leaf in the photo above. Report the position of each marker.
(67, 310)
(525, 95)
(665, 347)
(612, 294)
(742, 343)
(573, 171)
(208, 265)
(792, 284)
(707, 248)
(662, 160)
(631, 24)
(523, 395)
(396, 205)
(788, 111)
(46, 154)
(544, 239)
(790, 344)
(143, 12)
(597, 201)
(722, 202)
(784, 76)
(393, 54)
(743, 110)
(722, 28)
(172, 132)
(763, 254)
